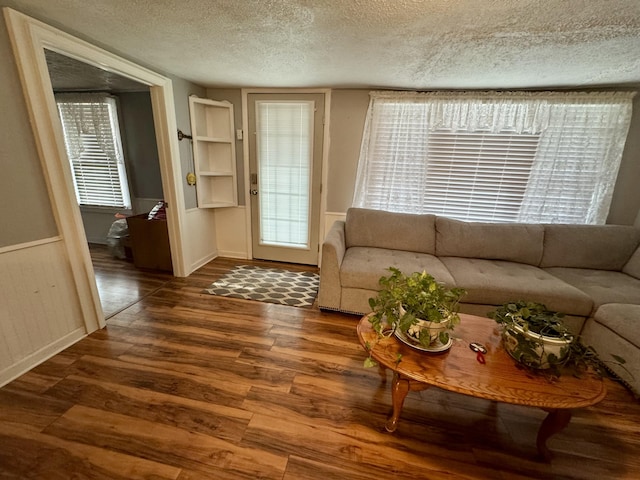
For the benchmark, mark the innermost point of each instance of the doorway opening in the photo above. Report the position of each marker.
(100, 173)
(30, 38)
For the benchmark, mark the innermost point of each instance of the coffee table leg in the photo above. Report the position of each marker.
(555, 421)
(399, 390)
(382, 371)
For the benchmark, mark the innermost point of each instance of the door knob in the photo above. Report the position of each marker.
(253, 191)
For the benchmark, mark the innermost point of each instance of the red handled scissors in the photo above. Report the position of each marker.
(480, 351)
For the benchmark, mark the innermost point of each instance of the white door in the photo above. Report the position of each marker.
(285, 161)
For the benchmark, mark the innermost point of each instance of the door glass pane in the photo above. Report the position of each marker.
(284, 147)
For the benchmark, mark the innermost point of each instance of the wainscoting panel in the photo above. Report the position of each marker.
(231, 232)
(39, 307)
(200, 237)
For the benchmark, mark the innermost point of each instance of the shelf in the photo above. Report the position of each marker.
(214, 139)
(218, 205)
(217, 174)
(214, 152)
(215, 157)
(216, 191)
(211, 118)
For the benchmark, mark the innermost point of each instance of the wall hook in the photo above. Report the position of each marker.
(182, 135)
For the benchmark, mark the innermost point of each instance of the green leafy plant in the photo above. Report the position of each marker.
(410, 302)
(523, 326)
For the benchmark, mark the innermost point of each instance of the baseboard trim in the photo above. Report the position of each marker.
(231, 254)
(23, 366)
(203, 261)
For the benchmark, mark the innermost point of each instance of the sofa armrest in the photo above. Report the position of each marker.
(333, 250)
(632, 267)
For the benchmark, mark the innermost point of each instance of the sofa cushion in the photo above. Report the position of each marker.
(362, 267)
(398, 231)
(632, 267)
(623, 319)
(608, 343)
(356, 300)
(603, 286)
(494, 282)
(494, 241)
(602, 247)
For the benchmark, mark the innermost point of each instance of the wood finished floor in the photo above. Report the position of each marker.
(119, 283)
(184, 385)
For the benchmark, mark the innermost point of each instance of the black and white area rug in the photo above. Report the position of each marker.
(271, 285)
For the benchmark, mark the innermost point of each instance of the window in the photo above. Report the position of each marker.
(500, 157)
(285, 148)
(92, 140)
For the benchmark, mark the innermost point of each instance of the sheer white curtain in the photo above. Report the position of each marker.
(578, 159)
(85, 114)
(493, 156)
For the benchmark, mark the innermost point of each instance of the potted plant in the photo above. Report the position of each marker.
(538, 339)
(421, 309)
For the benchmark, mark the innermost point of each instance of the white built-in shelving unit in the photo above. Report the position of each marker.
(214, 152)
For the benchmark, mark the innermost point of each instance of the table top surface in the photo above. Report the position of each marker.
(499, 378)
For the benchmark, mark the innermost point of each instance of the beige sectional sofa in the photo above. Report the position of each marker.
(591, 273)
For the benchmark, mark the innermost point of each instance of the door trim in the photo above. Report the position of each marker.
(325, 155)
(29, 38)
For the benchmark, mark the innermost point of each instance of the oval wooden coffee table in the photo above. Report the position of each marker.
(499, 379)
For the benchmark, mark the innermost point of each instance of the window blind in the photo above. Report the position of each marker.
(92, 139)
(476, 176)
(284, 147)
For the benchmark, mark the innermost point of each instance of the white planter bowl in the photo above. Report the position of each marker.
(546, 346)
(422, 327)
(433, 329)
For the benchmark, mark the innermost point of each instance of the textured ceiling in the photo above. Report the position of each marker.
(68, 74)
(412, 44)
